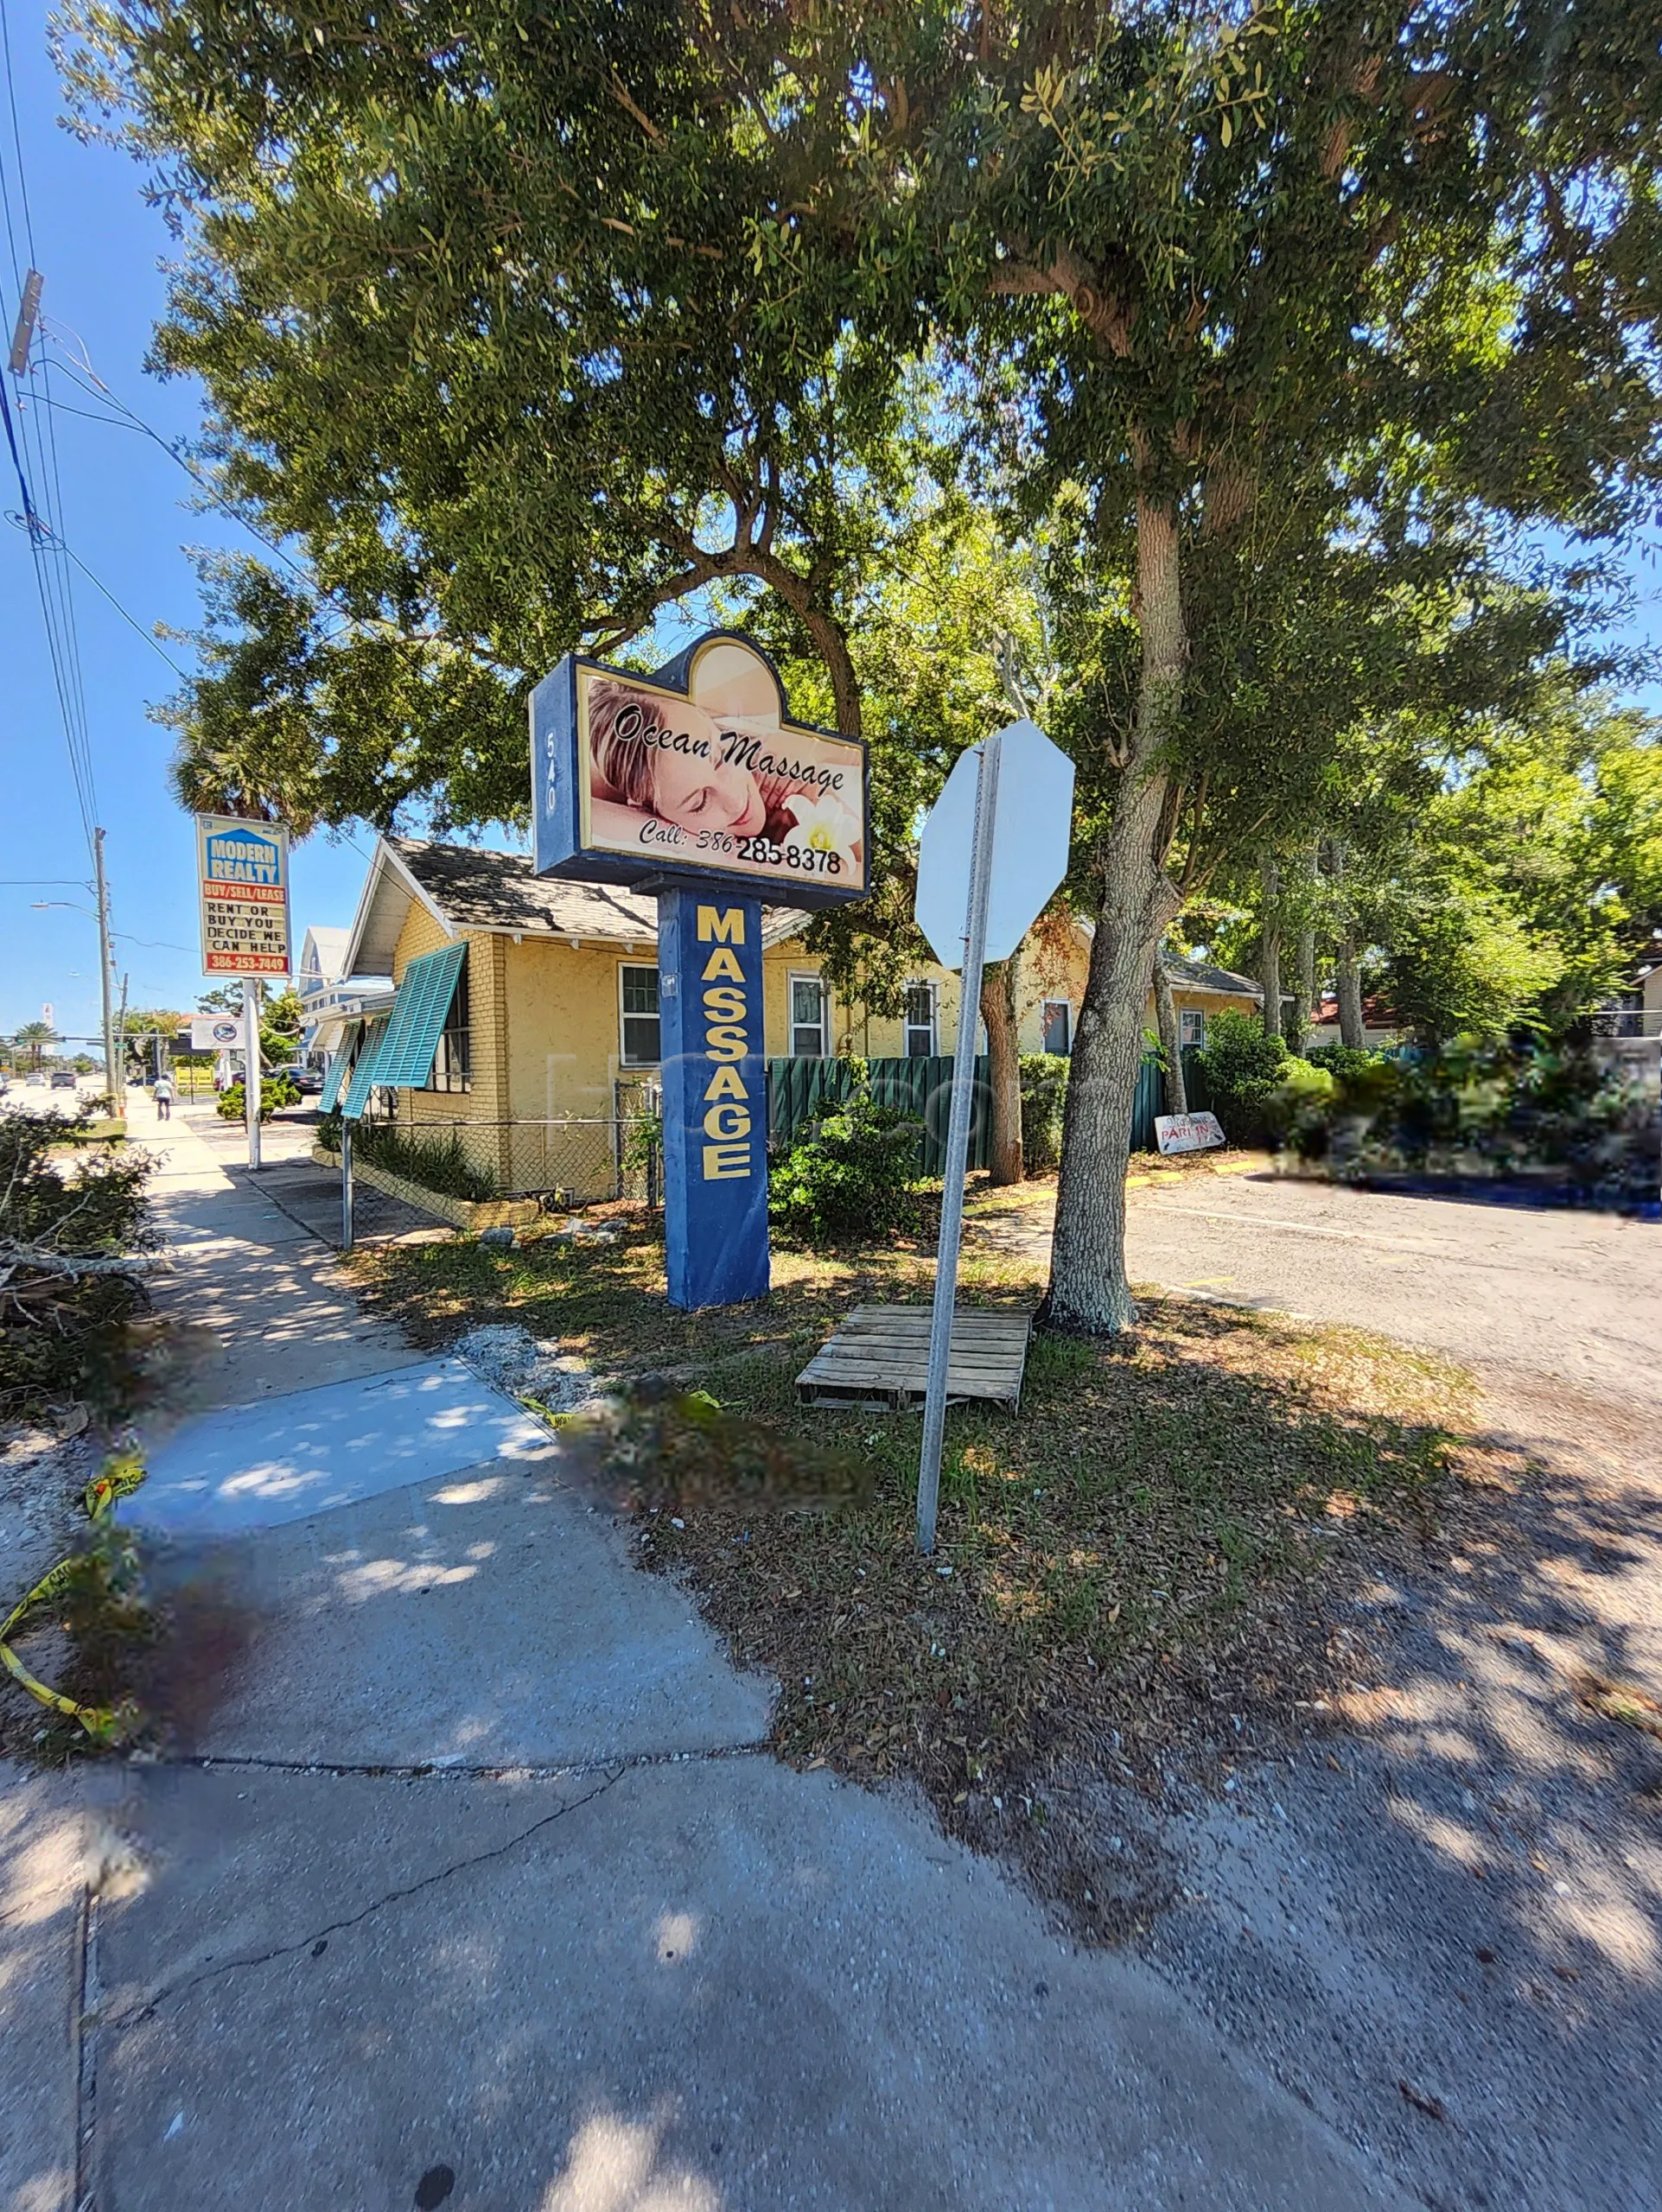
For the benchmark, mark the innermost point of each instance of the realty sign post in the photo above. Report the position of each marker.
(696, 784)
(243, 876)
(993, 848)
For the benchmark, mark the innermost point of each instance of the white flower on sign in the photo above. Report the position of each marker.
(826, 824)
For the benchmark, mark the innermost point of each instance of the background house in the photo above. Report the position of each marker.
(1379, 1025)
(327, 1004)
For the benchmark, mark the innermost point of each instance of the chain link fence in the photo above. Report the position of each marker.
(573, 1160)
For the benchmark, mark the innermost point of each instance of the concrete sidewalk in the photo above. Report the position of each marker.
(472, 1882)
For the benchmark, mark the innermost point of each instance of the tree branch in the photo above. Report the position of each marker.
(626, 100)
(1108, 317)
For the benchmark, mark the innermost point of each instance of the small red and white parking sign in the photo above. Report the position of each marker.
(1186, 1132)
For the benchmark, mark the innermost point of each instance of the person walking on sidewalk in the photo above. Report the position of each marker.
(162, 1095)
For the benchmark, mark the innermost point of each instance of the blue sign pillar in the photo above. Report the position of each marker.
(715, 1076)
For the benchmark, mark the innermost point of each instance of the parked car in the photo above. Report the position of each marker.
(307, 1081)
(63, 1079)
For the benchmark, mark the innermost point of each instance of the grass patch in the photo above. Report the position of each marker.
(1149, 1558)
(608, 1302)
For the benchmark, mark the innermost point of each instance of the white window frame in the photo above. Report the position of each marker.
(1192, 1018)
(624, 1060)
(922, 983)
(792, 1026)
(1045, 1005)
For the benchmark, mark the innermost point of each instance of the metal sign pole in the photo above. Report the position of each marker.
(251, 1066)
(346, 1184)
(958, 1142)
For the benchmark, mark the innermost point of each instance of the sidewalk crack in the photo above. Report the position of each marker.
(158, 1998)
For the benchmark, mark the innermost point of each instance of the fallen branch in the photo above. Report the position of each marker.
(14, 1255)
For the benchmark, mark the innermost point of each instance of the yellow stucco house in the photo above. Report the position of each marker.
(549, 1013)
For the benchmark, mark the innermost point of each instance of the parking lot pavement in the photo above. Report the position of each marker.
(1541, 1291)
(1519, 1291)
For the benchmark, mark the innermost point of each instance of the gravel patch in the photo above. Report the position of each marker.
(510, 1358)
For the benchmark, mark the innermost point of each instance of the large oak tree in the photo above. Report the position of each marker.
(1267, 284)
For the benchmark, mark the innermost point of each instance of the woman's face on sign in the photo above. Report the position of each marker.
(701, 794)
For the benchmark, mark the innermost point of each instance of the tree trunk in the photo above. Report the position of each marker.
(1351, 1027)
(1347, 983)
(1088, 1291)
(1003, 1068)
(1171, 1039)
(1304, 1009)
(1270, 935)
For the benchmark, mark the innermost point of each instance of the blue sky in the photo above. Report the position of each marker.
(125, 513)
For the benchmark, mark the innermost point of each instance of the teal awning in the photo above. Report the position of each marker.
(417, 1018)
(337, 1074)
(364, 1076)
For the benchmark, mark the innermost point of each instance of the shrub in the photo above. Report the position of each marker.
(441, 1164)
(853, 1173)
(1044, 1097)
(1348, 1062)
(275, 1091)
(64, 1336)
(1242, 1063)
(1299, 1108)
(1476, 1107)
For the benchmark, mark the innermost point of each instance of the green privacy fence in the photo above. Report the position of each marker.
(799, 1090)
(1151, 1095)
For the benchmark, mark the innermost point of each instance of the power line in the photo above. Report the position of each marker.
(98, 390)
(131, 620)
(41, 482)
(39, 532)
(62, 407)
(18, 141)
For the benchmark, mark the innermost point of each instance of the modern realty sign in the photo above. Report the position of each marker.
(697, 784)
(696, 773)
(243, 873)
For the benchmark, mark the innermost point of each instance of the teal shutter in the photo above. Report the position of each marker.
(337, 1074)
(364, 1077)
(417, 1018)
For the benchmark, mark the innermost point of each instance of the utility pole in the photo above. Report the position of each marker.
(113, 1071)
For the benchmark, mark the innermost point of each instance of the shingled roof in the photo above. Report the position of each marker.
(467, 887)
(474, 889)
(1197, 975)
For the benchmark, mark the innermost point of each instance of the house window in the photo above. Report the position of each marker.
(453, 1056)
(638, 1016)
(808, 1011)
(1057, 1026)
(1191, 1026)
(920, 1021)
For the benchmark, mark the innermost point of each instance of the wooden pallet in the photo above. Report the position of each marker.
(879, 1356)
